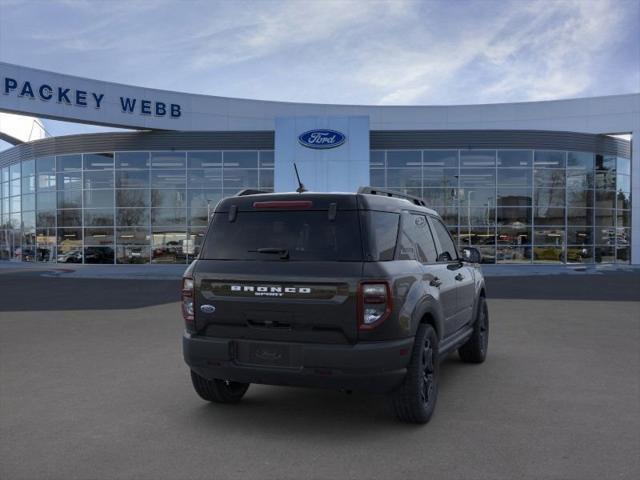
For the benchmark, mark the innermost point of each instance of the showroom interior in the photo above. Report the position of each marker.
(516, 205)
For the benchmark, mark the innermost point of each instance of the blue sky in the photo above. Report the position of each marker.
(361, 52)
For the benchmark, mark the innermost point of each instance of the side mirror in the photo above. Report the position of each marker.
(471, 255)
(444, 257)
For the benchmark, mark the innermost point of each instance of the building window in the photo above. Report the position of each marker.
(520, 206)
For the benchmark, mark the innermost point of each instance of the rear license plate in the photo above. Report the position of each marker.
(265, 354)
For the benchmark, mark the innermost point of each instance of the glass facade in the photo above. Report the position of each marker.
(120, 207)
(515, 206)
(520, 206)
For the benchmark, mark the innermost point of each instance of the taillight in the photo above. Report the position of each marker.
(187, 302)
(374, 304)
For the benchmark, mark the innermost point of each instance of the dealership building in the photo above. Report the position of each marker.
(538, 182)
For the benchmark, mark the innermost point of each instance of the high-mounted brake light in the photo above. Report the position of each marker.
(284, 204)
(374, 304)
(187, 302)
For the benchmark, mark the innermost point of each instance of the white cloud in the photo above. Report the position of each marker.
(274, 27)
(542, 51)
(387, 52)
(552, 55)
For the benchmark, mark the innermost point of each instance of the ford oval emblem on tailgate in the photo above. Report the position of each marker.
(207, 308)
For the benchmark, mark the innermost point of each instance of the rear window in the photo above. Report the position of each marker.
(284, 235)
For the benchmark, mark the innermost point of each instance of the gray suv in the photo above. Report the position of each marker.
(356, 292)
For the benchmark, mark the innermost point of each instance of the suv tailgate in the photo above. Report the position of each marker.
(299, 301)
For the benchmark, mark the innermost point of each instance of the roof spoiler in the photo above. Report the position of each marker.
(389, 193)
(249, 191)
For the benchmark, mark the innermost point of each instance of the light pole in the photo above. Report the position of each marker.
(208, 210)
(488, 213)
(469, 216)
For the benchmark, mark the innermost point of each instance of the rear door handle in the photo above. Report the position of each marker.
(459, 277)
(436, 282)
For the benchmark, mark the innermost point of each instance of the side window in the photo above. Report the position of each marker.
(448, 251)
(416, 242)
(406, 247)
(383, 233)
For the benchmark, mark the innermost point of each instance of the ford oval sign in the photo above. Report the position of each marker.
(322, 138)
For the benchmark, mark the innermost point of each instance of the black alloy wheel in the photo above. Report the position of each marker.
(414, 401)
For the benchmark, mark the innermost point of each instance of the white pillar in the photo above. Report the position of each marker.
(340, 169)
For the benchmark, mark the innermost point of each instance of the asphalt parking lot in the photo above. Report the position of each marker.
(93, 386)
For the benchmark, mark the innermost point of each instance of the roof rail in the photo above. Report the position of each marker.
(390, 193)
(249, 191)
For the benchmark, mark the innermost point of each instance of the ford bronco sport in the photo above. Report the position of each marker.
(357, 292)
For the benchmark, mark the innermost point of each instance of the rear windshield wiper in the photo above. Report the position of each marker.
(283, 252)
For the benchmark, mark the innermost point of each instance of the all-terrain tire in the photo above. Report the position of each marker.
(415, 399)
(475, 349)
(218, 391)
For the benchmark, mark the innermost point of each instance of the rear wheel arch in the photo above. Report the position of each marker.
(429, 319)
(428, 311)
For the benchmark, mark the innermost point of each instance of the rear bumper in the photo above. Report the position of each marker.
(369, 367)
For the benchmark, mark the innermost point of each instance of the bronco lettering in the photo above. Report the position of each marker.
(269, 290)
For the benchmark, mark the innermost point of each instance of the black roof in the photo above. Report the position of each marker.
(323, 201)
